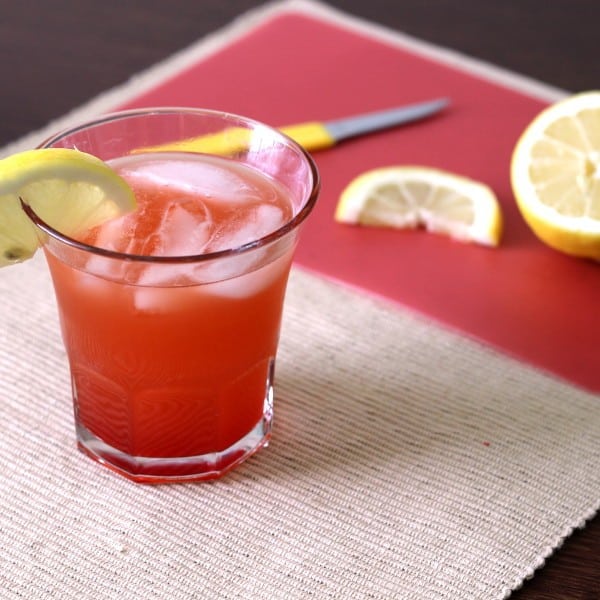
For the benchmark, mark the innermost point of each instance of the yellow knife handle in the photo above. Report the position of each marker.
(311, 136)
(228, 141)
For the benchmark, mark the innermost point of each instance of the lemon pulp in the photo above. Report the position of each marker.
(68, 189)
(413, 196)
(555, 175)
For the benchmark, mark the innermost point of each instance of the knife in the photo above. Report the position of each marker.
(317, 136)
(313, 135)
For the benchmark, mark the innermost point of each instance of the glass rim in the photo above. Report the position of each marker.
(261, 242)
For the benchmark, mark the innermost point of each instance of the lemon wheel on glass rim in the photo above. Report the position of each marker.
(68, 189)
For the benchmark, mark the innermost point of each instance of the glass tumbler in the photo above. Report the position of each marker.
(172, 356)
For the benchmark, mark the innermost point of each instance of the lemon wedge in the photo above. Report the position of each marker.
(412, 196)
(68, 189)
(555, 175)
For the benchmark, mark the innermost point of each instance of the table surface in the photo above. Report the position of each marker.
(59, 54)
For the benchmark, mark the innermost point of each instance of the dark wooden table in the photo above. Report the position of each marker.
(56, 54)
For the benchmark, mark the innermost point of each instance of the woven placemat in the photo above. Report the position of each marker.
(407, 462)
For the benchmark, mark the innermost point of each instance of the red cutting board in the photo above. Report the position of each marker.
(525, 299)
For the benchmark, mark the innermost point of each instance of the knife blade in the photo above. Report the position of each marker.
(316, 135)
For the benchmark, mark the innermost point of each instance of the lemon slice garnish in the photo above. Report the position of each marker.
(555, 174)
(70, 190)
(409, 197)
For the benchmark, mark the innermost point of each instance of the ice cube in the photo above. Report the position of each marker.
(182, 228)
(155, 299)
(198, 177)
(251, 283)
(94, 286)
(185, 229)
(164, 274)
(107, 268)
(250, 225)
(114, 234)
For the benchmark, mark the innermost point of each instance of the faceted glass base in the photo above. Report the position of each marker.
(170, 470)
(146, 469)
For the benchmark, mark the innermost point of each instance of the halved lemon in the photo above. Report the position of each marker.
(555, 175)
(413, 196)
(70, 190)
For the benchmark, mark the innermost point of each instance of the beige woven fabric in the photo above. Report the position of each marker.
(407, 462)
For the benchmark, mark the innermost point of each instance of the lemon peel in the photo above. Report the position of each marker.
(555, 175)
(418, 196)
(68, 189)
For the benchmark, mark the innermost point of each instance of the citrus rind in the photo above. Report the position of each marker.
(69, 190)
(572, 164)
(416, 196)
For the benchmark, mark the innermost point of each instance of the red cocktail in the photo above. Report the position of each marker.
(171, 314)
